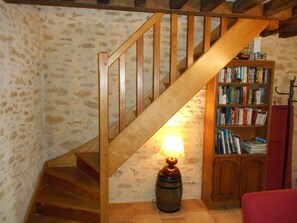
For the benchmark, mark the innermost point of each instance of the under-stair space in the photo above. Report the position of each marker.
(72, 189)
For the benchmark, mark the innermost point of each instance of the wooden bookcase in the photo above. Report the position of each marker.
(225, 177)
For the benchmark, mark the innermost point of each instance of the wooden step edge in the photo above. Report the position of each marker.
(66, 200)
(91, 159)
(90, 167)
(68, 213)
(69, 159)
(83, 185)
(59, 205)
(40, 218)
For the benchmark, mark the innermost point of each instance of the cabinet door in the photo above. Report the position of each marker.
(252, 173)
(226, 178)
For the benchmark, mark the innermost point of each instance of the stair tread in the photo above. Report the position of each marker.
(75, 176)
(39, 218)
(50, 196)
(92, 159)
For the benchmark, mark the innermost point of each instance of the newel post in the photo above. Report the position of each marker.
(103, 123)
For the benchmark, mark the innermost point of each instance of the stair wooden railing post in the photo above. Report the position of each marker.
(156, 60)
(173, 48)
(190, 41)
(122, 92)
(139, 76)
(103, 91)
(104, 62)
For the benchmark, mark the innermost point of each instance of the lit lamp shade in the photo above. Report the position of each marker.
(173, 147)
(169, 181)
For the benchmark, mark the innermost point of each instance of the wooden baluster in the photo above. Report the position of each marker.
(140, 76)
(173, 49)
(190, 41)
(224, 25)
(206, 33)
(103, 124)
(156, 62)
(122, 92)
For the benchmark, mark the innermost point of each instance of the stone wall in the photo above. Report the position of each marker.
(21, 110)
(135, 180)
(49, 95)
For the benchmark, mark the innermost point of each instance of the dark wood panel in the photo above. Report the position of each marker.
(103, 1)
(252, 173)
(177, 4)
(241, 6)
(208, 5)
(287, 28)
(226, 178)
(275, 6)
(139, 3)
(288, 33)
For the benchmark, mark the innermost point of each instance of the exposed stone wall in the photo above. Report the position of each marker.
(72, 40)
(135, 180)
(21, 134)
(57, 57)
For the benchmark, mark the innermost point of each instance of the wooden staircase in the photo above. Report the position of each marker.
(70, 194)
(74, 187)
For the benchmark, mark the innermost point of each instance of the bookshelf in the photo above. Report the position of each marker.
(238, 106)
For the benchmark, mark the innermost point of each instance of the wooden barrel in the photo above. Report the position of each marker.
(168, 192)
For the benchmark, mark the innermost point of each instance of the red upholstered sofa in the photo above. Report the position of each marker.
(275, 206)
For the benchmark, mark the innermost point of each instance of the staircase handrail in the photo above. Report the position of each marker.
(132, 39)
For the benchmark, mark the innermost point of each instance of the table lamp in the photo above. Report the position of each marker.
(169, 180)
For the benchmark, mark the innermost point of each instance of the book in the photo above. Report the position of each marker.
(254, 146)
(221, 141)
(237, 143)
(261, 118)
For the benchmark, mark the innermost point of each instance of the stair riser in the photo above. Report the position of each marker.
(74, 188)
(68, 213)
(88, 170)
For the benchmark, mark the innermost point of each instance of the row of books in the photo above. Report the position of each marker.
(243, 74)
(226, 142)
(240, 116)
(241, 95)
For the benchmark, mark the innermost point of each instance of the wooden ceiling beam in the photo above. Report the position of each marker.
(209, 5)
(241, 6)
(177, 4)
(288, 33)
(157, 4)
(286, 28)
(191, 7)
(139, 3)
(103, 1)
(294, 11)
(275, 6)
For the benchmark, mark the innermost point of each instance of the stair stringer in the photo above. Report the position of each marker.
(179, 93)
